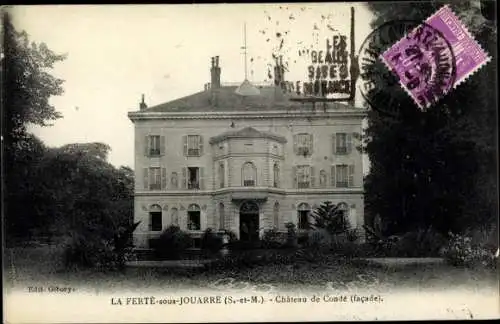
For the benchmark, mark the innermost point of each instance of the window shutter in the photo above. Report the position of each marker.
(334, 144)
(185, 143)
(146, 178)
(311, 144)
(295, 138)
(201, 144)
(333, 176)
(202, 178)
(294, 177)
(184, 178)
(146, 146)
(351, 176)
(349, 142)
(162, 145)
(313, 177)
(163, 178)
(152, 176)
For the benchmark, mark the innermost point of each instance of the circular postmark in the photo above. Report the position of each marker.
(405, 63)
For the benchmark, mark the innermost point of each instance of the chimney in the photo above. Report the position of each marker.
(279, 72)
(215, 73)
(142, 105)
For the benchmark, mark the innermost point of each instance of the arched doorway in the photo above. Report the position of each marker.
(249, 221)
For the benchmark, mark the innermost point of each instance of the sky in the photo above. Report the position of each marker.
(118, 52)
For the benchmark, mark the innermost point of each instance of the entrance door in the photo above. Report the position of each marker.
(249, 221)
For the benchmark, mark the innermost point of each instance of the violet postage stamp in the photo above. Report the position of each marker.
(435, 57)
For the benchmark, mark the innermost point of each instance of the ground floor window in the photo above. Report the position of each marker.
(303, 216)
(155, 218)
(194, 218)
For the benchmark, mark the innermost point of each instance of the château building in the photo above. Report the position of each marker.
(244, 158)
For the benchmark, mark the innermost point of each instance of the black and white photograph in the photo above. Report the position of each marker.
(251, 162)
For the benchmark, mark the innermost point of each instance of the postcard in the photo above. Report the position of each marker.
(250, 162)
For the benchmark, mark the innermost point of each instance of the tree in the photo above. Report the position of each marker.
(438, 167)
(331, 218)
(27, 87)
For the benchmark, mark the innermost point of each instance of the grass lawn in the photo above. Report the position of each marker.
(33, 266)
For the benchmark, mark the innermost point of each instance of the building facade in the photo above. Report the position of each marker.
(244, 159)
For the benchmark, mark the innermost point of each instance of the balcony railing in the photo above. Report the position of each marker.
(193, 185)
(302, 185)
(193, 152)
(249, 183)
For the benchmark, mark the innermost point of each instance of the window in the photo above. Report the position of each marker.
(342, 143)
(345, 211)
(175, 216)
(303, 144)
(193, 178)
(222, 173)
(303, 212)
(276, 175)
(154, 145)
(174, 180)
(154, 178)
(155, 220)
(193, 145)
(276, 215)
(222, 218)
(194, 216)
(249, 175)
(322, 178)
(303, 176)
(342, 176)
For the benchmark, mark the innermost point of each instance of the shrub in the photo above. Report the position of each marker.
(352, 235)
(271, 239)
(239, 245)
(230, 235)
(171, 243)
(89, 249)
(463, 251)
(210, 241)
(419, 243)
(291, 235)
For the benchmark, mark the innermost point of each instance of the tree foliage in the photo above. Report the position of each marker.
(27, 82)
(437, 167)
(71, 189)
(331, 218)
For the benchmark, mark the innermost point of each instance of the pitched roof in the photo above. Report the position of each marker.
(226, 99)
(247, 132)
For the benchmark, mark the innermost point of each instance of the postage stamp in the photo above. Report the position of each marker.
(423, 60)
(379, 86)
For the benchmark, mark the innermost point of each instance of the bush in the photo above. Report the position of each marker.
(230, 235)
(462, 250)
(418, 243)
(90, 249)
(172, 243)
(271, 239)
(238, 245)
(291, 235)
(210, 241)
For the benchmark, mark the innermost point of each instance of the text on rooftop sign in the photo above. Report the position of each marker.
(328, 72)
